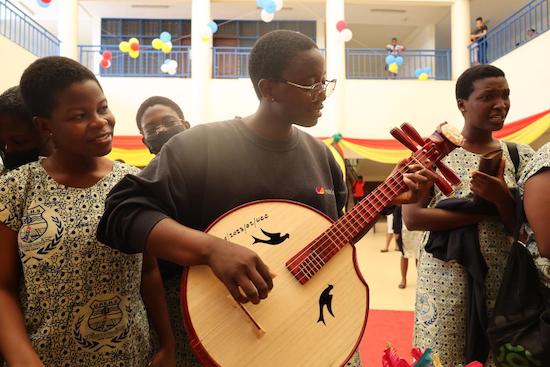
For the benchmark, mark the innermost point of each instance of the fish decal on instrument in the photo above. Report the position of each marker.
(325, 299)
(274, 238)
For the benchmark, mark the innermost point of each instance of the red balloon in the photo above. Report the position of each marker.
(104, 63)
(107, 55)
(46, 1)
(134, 46)
(341, 25)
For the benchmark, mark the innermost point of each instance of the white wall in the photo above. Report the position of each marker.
(14, 62)
(423, 38)
(528, 76)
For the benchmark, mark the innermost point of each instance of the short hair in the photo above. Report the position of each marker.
(394, 38)
(155, 100)
(11, 103)
(465, 82)
(273, 52)
(480, 19)
(45, 78)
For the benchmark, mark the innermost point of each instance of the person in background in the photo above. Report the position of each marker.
(358, 189)
(480, 41)
(390, 235)
(482, 96)
(84, 302)
(158, 119)
(20, 140)
(394, 49)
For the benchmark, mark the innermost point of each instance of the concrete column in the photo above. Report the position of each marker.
(201, 62)
(336, 67)
(460, 36)
(68, 28)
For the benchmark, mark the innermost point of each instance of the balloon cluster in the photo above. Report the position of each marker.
(44, 3)
(269, 8)
(164, 42)
(208, 31)
(422, 73)
(169, 67)
(345, 32)
(105, 62)
(394, 62)
(132, 47)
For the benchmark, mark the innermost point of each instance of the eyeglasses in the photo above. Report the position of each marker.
(165, 124)
(314, 90)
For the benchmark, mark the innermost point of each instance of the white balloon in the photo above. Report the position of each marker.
(279, 4)
(164, 68)
(346, 34)
(172, 71)
(266, 17)
(173, 64)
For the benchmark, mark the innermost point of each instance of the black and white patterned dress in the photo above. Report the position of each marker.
(540, 161)
(83, 305)
(441, 286)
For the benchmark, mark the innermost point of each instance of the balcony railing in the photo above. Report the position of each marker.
(18, 27)
(370, 63)
(148, 64)
(518, 29)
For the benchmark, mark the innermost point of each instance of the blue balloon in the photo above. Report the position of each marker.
(390, 59)
(270, 6)
(261, 3)
(213, 27)
(42, 4)
(167, 61)
(428, 70)
(165, 37)
(418, 71)
(399, 60)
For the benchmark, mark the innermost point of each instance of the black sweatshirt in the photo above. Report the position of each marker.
(205, 171)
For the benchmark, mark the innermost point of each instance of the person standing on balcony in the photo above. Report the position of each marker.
(394, 49)
(479, 37)
(159, 119)
(358, 189)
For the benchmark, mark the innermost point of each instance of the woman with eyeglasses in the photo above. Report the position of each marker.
(210, 169)
(158, 119)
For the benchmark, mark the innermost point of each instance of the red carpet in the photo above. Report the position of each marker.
(383, 326)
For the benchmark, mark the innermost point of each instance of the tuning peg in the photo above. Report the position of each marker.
(444, 186)
(412, 133)
(403, 139)
(448, 173)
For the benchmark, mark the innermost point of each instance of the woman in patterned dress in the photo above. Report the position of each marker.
(83, 305)
(535, 188)
(482, 95)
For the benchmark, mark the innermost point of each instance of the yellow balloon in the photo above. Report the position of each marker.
(134, 54)
(124, 46)
(393, 68)
(205, 39)
(157, 44)
(423, 76)
(133, 40)
(167, 47)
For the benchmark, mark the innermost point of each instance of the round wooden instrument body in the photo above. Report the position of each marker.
(319, 323)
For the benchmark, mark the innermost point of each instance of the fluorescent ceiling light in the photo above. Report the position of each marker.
(150, 6)
(388, 10)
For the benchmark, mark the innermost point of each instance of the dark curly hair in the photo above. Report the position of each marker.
(11, 103)
(465, 82)
(155, 100)
(273, 52)
(45, 78)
